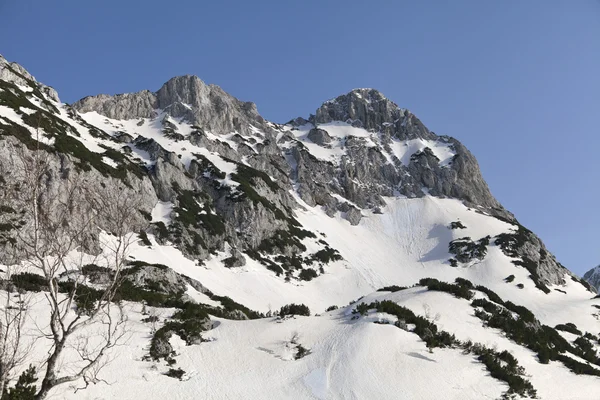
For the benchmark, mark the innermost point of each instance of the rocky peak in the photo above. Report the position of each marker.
(206, 105)
(188, 97)
(593, 277)
(15, 73)
(370, 109)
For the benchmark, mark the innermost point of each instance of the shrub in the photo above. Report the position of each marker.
(568, 327)
(457, 225)
(326, 255)
(509, 278)
(24, 389)
(301, 352)
(491, 294)
(457, 290)
(29, 282)
(294, 309)
(362, 309)
(307, 274)
(392, 288)
(144, 238)
(175, 373)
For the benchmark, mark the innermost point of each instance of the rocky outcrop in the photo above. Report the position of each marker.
(593, 277)
(188, 97)
(369, 109)
(13, 72)
(319, 136)
(365, 173)
(249, 209)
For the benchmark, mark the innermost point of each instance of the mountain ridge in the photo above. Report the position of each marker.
(241, 216)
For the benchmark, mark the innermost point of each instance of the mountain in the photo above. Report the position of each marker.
(593, 277)
(415, 277)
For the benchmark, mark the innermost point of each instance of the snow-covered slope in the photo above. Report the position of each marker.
(248, 216)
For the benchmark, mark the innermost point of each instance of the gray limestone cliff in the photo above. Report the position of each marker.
(593, 277)
(185, 97)
(255, 216)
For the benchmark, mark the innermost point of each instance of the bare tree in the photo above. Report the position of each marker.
(59, 238)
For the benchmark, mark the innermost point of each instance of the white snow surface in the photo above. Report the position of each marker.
(349, 358)
(340, 131)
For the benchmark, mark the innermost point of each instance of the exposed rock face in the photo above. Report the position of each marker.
(251, 211)
(181, 97)
(369, 109)
(319, 136)
(121, 106)
(13, 72)
(593, 277)
(365, 174)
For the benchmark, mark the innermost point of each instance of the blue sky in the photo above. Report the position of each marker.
(516, 81)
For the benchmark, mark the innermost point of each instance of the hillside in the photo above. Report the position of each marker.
(231, 217)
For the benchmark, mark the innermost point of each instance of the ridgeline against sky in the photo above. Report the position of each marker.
(516, 82)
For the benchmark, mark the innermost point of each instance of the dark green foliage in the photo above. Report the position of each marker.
(502, 365)
(362, 308)
(85, 297)
(457, 290)
(136, 266)
(509, 278)
(246, 177)
(300, 233)
(265, 261)
(307, 274)
(590, 336)
(128, 291)
(527, 331)
(191, 213)
(29, 282)
(464, 282)
(392, 288)
(175, 373)
(24, 389)
(229, 305)
(331, 308)
(568, 327)
(301, 352)
(426, 330)
(465, 250)
(162, 230)
(587, 350)
(150, 319)
(13, 97)
(520, 285)
(55, 127)
(576, 366)
(88, 159)
(144, 238)
(457, 225)
(294, 309)
(491, 294)
(280, 241)
(93, 269)
(147, 216)
(326, 255)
